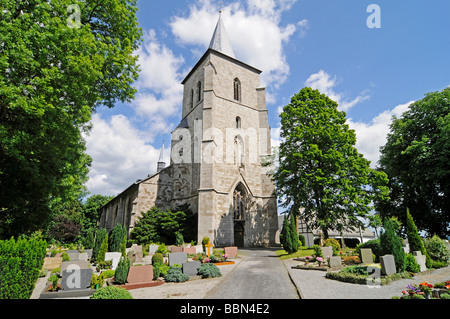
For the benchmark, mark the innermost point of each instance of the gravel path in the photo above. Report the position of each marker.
(312, 284)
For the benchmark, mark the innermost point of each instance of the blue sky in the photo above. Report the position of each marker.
(373, 73)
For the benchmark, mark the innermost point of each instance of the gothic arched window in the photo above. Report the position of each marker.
(239, 202)
(237, 89)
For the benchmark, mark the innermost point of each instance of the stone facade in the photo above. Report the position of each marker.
(216, 154)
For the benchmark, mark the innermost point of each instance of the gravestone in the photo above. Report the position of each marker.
(73, 254)
(198, 249)
(191, 268)
(83, 256)
(366, 256)
(76, 275)
(138, 274)
(152, 249)
(115, 257)
(327, 252)
(406, 248)
(190, 250)
(51, 263)
(421, 260)
(388, 265)
(231, 252)
(176, 249)
(177, 258)
(335, 262)
(88, 252)
(137, 251)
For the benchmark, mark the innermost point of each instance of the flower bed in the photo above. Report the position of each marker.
(426, 290)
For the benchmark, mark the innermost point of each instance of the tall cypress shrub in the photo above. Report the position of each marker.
(414, 240)
(99, 237)
(391, 244)
(116, 238)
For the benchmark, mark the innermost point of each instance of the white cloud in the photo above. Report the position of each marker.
(323, 82)
(371, 136)
(120, 154)
(160, 91)
(255, 33)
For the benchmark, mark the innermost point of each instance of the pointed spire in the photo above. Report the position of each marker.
(161, 163)
(219, 41)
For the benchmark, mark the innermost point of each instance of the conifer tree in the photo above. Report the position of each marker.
(414, 240)
(391, 245)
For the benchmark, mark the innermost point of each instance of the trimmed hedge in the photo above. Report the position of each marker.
(111, 292)
(20, 264)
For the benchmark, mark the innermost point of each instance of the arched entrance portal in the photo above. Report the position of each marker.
(239, 211)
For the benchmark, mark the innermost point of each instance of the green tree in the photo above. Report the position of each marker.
(103, 250)
(391, 244)
(289, 236)
(116, 238)
(416, 159)
(319, 168)
(158, 225)
(52, 77)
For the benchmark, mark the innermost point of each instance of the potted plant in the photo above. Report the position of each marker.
(426, 289)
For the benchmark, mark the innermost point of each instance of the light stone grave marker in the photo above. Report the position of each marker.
(191, 268)
(388, 265)
(177, 258)
(115, 257)
(366, 256)
(327, 252)
(75, 275)
(421, 260)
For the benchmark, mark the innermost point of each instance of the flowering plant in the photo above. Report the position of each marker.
(319, 259)
(425, 287)
(206, 260)
(411, 289)
(225, 257)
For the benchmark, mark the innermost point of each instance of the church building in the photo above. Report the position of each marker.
(217, 151)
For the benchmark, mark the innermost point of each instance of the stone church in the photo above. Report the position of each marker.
(217, 152)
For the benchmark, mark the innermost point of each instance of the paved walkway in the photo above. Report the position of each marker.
(260, 275)
(312, 284)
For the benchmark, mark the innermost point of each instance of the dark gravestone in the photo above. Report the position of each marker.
(177, 258)
(75, 275)
(191, 268)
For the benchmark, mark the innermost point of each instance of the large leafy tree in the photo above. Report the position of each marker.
(59, 60)
(416, 158)
(320, 170)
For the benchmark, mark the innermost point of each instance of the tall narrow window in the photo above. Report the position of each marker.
(199, 89)
(237, 90)
(238, 122)
(192, 98)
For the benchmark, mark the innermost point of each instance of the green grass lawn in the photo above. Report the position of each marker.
(302, 252)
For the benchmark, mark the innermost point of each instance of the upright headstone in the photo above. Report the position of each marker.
(83, 256)
(190, 250)
(406, 248)
(335, 262)
(198, 249)
(191, 268)
(137, 252)
(152, 249)
(88, 252)
(115, 257)
(73, 255)
(177, 258)
(176, 249)
(231, 252)
(327, 252)
(421, 260)
(388, 265)
(366, 256)
(138, 274)
(75, 275)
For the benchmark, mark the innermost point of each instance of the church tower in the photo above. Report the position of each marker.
(218, 147)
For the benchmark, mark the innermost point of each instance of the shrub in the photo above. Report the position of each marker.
(116, 238)
(163, 269)
(100, 235)
(302, 239)
(122, 270)
(205, 241)
(103, 250)
(179, 240)
(111, 292)
(65, 257)
(417, 296)
(175, 274)
(157, 258)
(391, 244)
(317, 251)
(445, 296)
(373, 244)
(437, 249)
(411, 264)
(333, 243)
(20, 264)
(208, 270)
(357, 270)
